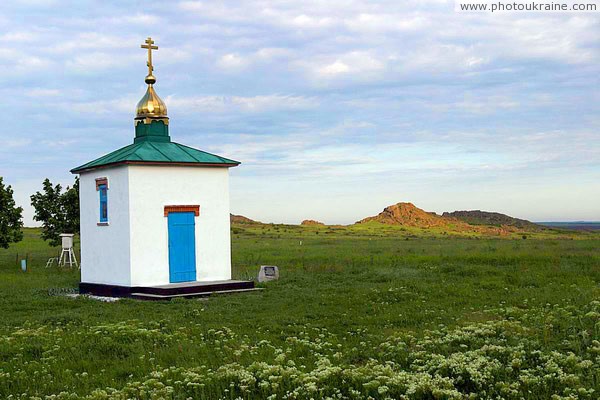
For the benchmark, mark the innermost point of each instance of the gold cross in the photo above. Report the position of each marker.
(149, 45)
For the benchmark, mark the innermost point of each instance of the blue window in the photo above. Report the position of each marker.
(102, 189)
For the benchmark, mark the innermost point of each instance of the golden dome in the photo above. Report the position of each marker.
(151, 106)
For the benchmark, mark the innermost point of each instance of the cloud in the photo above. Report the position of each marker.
(95, 41)
(93, 109)
(18, 36)
(304, 21)
(365, 100)
(137, 19)
(15, 143)
(16, 62)
(478, 104)
(253, 104)
(98, 61)
(335, 68)
(232, 61)
(270, 53)
(376, 23)
(41, 92)
(356, 65)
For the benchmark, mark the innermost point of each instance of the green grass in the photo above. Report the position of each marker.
(355, 314)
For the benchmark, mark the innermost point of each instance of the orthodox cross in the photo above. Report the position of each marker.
(149, 45)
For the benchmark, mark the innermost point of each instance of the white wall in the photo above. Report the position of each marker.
(154, 187)
(105, 256)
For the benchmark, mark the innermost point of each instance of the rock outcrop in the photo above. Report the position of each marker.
(407, 214)
(478, 217)
(240, 219)
(311, 222)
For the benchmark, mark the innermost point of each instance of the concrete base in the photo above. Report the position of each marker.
(166, 292)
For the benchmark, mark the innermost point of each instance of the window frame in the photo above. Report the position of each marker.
(103, 201)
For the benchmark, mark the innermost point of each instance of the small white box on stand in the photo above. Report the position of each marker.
(67, 240)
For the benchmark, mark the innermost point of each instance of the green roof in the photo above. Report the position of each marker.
(154, 152)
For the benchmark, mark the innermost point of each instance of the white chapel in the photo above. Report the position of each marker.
(155, 213)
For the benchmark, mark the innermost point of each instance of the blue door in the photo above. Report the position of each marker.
(182, 247)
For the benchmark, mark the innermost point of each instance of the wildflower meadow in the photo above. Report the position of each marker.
(352, 317)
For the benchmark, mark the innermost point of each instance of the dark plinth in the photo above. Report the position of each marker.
(166, 292)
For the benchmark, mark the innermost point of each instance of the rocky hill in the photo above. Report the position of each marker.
(311, 222)
(240, 219)
(477, 217)
(407, 214)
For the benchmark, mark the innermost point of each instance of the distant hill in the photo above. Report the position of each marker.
(407, 214)
(574, 225)
(240, 219)
(311, 222)
(478, 217)
(473, 222)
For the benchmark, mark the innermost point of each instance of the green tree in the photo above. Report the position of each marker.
(57, 211)
(11, 217)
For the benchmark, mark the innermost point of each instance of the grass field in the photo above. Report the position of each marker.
(356, 314)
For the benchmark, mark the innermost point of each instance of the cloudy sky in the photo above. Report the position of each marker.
(336, 109)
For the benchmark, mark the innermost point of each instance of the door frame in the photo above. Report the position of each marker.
(182, 209)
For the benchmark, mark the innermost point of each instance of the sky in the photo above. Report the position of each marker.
(336, 109)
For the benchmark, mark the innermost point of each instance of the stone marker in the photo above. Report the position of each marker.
(268, 273)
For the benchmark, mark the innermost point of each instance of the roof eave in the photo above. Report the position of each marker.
(81, 169)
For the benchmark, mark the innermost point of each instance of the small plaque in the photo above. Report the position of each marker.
(268, 273)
